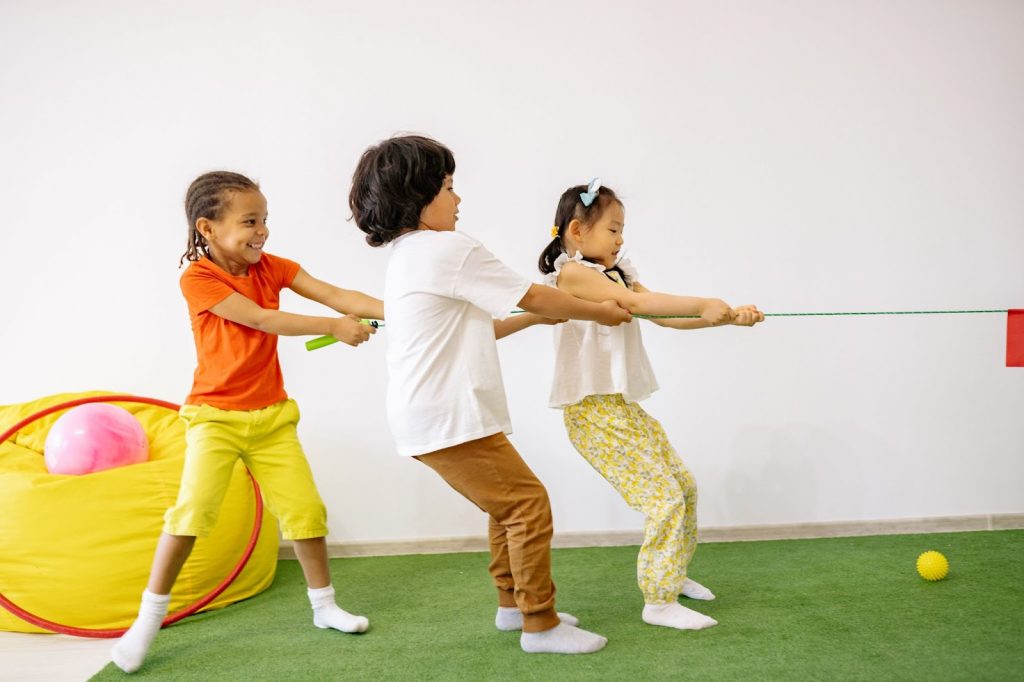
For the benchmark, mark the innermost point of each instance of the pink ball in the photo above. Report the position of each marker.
(94, 437)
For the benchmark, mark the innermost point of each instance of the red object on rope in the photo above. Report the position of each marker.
(174, 617)
(1015, 338)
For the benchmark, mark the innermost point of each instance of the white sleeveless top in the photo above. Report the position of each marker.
(594, 359)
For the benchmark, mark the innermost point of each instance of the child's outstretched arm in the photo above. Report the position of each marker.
(746, 316)
(345, 301)
(551, 302)
(241, 310)
(516, 323)
(591, 285)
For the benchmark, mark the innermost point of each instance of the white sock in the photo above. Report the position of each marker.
(676, 615)
(130, 651)
(510, 618)
(694, 590)
(327, 613)
(561, 639)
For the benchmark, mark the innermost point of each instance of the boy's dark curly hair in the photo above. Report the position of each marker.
(394, 181)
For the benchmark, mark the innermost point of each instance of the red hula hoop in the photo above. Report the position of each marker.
(174, 617)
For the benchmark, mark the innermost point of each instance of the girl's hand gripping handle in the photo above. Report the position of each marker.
(345, 328)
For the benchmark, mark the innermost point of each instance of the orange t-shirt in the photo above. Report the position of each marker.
(238, 367)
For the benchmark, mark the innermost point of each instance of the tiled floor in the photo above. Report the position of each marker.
(51, 658)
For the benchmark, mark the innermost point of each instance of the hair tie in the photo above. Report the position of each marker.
(554, 232)
(592, 190)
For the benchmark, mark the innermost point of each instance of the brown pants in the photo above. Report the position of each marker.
(490, 473)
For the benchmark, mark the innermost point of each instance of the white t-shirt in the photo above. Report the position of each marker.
(593, 359)
(441, 293)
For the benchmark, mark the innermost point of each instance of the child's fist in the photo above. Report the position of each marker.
(747, 316)
(351, 330)
(613, 314)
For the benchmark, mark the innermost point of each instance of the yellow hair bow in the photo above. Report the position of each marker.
(554, 232)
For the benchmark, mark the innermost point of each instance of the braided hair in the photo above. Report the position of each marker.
(207, 197)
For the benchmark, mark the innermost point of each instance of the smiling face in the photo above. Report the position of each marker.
(235, 239)
(601, 241)
(441, 214)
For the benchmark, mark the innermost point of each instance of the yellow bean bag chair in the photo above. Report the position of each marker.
(76, 550)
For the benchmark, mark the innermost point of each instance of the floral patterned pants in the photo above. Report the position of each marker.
(630, 449)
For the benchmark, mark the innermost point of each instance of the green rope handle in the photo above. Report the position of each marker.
(322, 341)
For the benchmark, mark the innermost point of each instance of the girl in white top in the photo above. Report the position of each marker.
(446, 298)
(601, 373)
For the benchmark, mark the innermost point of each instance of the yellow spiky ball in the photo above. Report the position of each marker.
(932, 565)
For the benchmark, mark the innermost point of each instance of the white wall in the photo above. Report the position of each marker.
(804, 155)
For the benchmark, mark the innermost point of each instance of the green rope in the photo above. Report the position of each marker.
(327, 340)
(888, 312)
(885, 312)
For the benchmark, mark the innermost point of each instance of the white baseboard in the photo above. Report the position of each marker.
(786, 531)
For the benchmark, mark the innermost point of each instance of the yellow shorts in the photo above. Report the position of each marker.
(268, 443)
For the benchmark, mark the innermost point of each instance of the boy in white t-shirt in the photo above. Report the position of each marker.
(446, 299)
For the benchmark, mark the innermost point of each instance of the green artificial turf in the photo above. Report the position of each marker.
(829, 609)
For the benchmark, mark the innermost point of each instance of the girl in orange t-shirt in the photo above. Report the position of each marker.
(238, 406)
